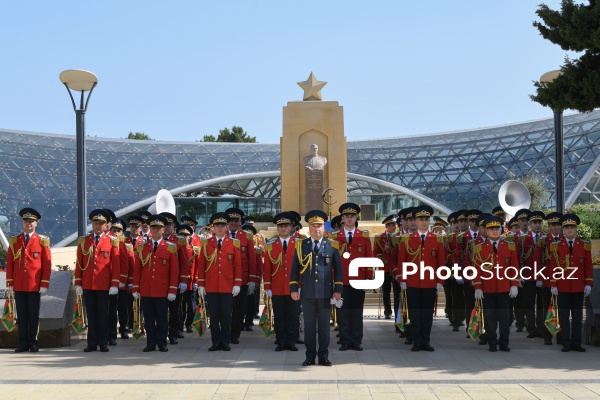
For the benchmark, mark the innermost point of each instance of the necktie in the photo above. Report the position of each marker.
(219, 243)
(26, 239)
(316, 249)
(423, 240)
(570, 247)
(349, 237)
(535, 238)
(495, 247)
(475, 235)
(133, 240)
(97, 239)
(190, 240)
(233, 235)
(285, 246)
(155, 246)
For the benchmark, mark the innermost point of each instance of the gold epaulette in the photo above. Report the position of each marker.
(114, 242)
(182, 241)
(203, 241)
(404, 238)
(12, 240)
(441, 238)
(272, 240)
(172, 248)
(298, 244)
(378, 235)
(365, 233)
(335, 244)
(121, 238)
(249, 235)
(512, 246)
(587, 245)
(236, 243)
(460, 234)
(81, 240)
(258, 249)
(540, 242)
(129, 246)
(510, 238)
(197, 250)
(44, 240)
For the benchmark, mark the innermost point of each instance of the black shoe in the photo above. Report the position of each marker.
(298, 341)
(505, 348)
(325, 362)
(128, 330)
(468, 337)
(104, 349)
(249, 329)
(173, 341)
(565, 349)
(308, 361)
(180, 335)
(357, 347)
(280, 347)
(337, 328)
(257, 316)
(402, 334)
(520, 329)
(531, 335)
(455, 329)
(339, 341)
(124, 335)
(548, 342)
(292, 347)
(492, 349)
(578, 348)
(112, 342)
(214, 347)
(388, 316)
(23, 349)
(148, 349)
(225, 347)
(427, 347)
(345, 347)
(235, 341)
(338, 335)
(415, 347)
(89, 349)
(163, 349)
(462, 324)
(483, 342)
(189, 329)
(408, 342)
(34, 348)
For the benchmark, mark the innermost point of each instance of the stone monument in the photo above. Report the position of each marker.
(316, 126)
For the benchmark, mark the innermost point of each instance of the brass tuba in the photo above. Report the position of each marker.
(513, 196)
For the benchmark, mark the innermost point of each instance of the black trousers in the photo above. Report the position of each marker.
(456, 310)
(117, 311)
(533, 306)
(28, 312)
(174, 320)
(350, 316)
(547, 295)
(469, 293)
(449, 300)
(317, 313)
(519, 309)
(155, 320)
(250, 307)
(570, 305)
(420, 307)
(219, 308)
(96, 308)
(285, 312)
(389, 285)
(495, 311)
(130, 300)
(186, 316)
(239, 312)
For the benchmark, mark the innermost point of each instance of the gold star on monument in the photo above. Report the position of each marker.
(312, 88)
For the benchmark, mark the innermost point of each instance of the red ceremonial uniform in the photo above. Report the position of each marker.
(98, 266)
(544, 251)
(577, 269)
(188, 256)
(28, 267)
(220, 270)
(489, 278)
(360, 247)
(383, 248)
(432, 254)
(248, 256)
(453, 248)
(532, 259)
(124, 262)
(131, 262)
(156, 273)
(139, 240)
(277, 266)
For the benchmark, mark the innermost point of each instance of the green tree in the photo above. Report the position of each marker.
(138, 136)
(576, 27)
(209, 138)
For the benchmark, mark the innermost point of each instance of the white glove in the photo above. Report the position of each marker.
(460, 281)
(121, 285)
(130, 285)
(554, 291)
(113, 290)
(396, 278)
(171, 296)
(195, 286)
(333, 301)
(136, 295)
(587, 290)
(78, 290)
(478, 294)
(299, 290)
(513, 292)
(437, 288)
(235, 291)
(339, 303)
(402, 285)
(202, 291)
(44, 289)
(539, 284)
(251, 287)
(269, 293)
(182, 287)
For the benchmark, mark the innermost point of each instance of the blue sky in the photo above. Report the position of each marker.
(181, 69)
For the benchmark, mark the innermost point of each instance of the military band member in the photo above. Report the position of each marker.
(453, 287)
(383, 248)
(253, 298)
(402, 222)
(358, 245)
(145, 228)
(316, 279)
(188, 257)
(194, 239)
(522, 217)
(554, 235)
(219, 279)
(467, 222)
(532, 262)
(155, 281)
(572, 280)
(513, 226)
(336, 223)
(118, 304)
(249, 275)
(97, 273)
(28, 268)
(494, 282)
(278, 259)
(421, 246)
(135, 238)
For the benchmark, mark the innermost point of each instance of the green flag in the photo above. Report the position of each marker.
(8, 316)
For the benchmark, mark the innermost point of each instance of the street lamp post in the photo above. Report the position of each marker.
(80, 81)
(558, 146)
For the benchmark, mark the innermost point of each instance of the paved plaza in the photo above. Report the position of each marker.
(458, 369)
